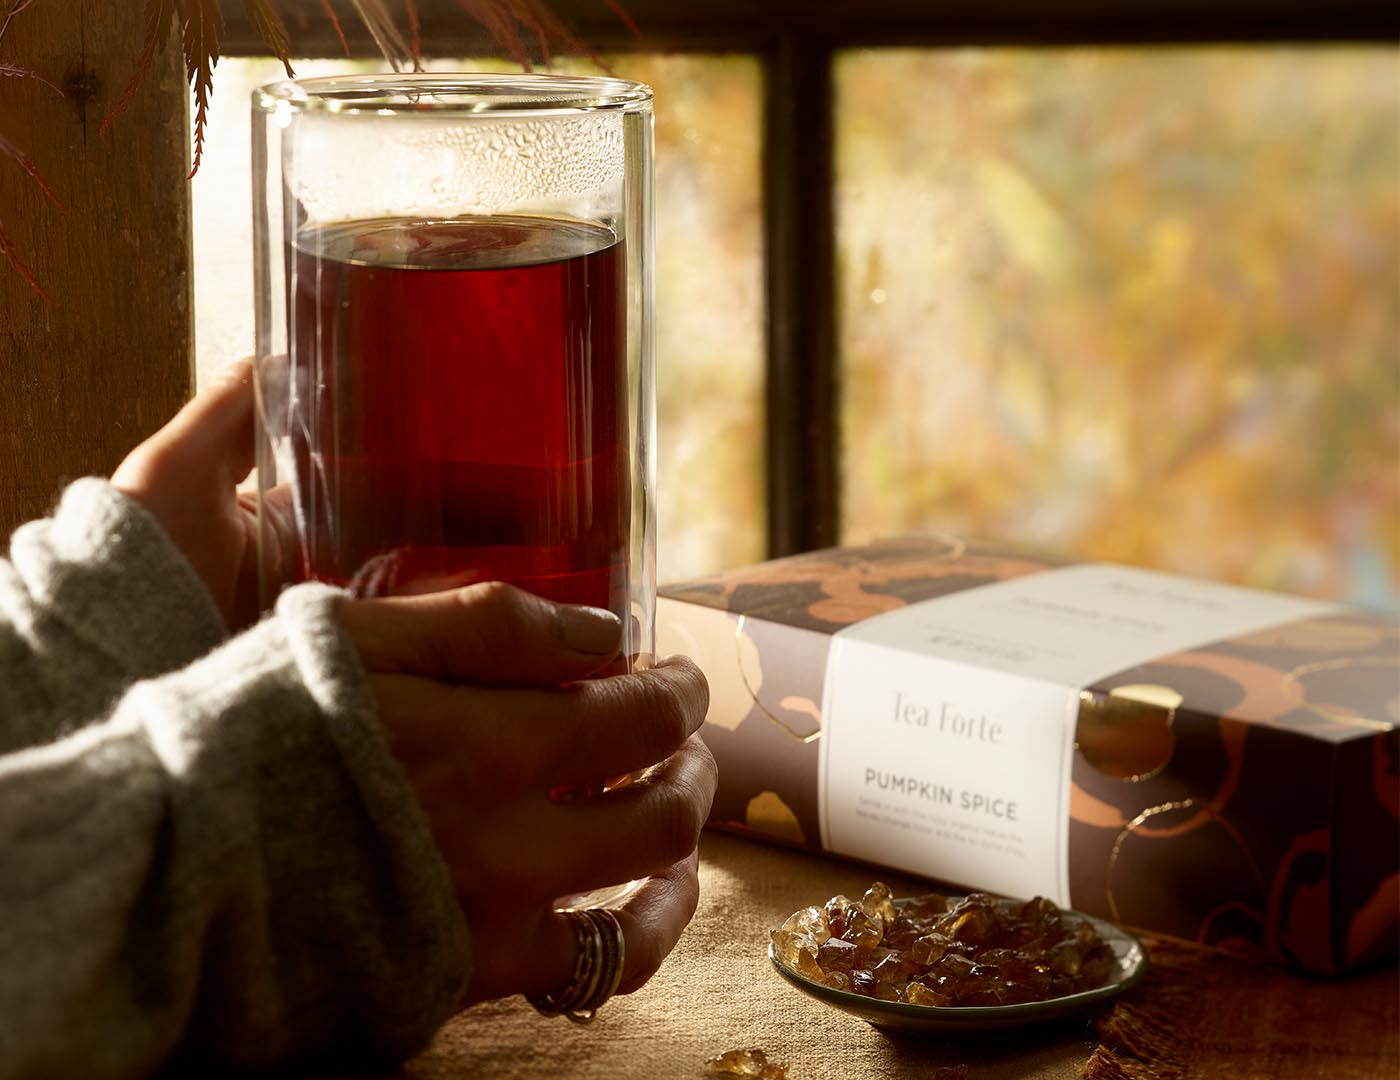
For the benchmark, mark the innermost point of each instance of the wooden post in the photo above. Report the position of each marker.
(803, 428)
(85, 378)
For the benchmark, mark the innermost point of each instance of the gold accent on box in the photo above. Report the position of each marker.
(802, 737)
(803, 705)
(707, 637)
(768, 814)
(1292, 684)
(1206, 811)
(1128, 733)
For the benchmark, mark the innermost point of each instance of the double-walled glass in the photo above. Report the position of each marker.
(454, 332)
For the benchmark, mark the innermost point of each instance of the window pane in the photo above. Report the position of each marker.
(709, 283)
(1138, 303)
(223, 210)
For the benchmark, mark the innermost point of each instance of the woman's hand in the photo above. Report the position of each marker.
(187, 474)
(478, 691)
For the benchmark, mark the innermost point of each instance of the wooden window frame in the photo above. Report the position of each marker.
(93, 369)
(795, 41)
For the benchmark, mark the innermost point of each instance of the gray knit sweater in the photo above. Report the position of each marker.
(206, 849)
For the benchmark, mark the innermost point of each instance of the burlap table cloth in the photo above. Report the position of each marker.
(717, 991)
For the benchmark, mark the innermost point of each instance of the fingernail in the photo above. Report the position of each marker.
(589, 629)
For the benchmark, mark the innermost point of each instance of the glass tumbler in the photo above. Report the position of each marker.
(454, 333)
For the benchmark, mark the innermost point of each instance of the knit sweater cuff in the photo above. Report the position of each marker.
(105, 568)
(274, 746)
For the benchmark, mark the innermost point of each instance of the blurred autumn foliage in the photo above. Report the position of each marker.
(1140, 304)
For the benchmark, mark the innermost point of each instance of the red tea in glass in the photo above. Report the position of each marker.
(460, 406)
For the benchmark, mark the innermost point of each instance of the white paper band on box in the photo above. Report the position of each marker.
(948, 725)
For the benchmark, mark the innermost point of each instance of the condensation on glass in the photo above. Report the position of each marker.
(1136, 303)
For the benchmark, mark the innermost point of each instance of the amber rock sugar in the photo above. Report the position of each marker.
(976, 950)
(751, 1062)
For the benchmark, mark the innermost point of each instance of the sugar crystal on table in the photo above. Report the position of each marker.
(751, 1062)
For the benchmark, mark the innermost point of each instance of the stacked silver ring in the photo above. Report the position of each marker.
(597, 971)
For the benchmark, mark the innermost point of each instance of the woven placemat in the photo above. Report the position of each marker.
(1198, 1016)
(1202, 1015)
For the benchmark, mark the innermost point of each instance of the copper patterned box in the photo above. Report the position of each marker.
(1237, 787)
